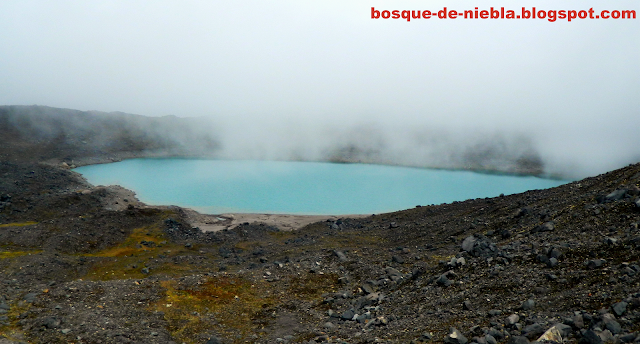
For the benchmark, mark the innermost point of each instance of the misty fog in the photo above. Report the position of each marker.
(311, 80)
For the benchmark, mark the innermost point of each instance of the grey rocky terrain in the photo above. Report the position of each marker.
(85, 264)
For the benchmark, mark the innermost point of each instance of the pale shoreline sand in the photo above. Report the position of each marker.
(287, 222)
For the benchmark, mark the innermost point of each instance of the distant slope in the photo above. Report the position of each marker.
(54, 135)
(43, 133)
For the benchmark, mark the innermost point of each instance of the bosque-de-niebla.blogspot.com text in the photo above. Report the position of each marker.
(502, 13)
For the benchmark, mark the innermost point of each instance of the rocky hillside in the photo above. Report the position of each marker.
(85, 264)
(42, 133)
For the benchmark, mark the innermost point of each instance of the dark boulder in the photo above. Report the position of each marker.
(528, 305)
(545, 227)
(595, 263)
(619, 308)
(480, 246)
(611, 324)
(444, 281)
(616, 195)
(533, 331)
(518, 340)
(590, 337)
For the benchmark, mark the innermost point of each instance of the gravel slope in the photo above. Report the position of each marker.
(81, 264)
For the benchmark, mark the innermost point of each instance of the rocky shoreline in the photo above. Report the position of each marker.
(85, 264)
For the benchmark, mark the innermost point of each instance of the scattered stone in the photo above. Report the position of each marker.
(590, 337)
(362, 318)
(594, 263)
(533, 331)
(554, 253)
(455, 337)
(31, 297)
(468, 243)
(51, 322)
(214, 340)
(606, 336)
(528, 305)
(496, 334)
(543, 259)
(375, 297)
(341, 256)
(494, 312)
(512, 319)
(619, 308)
(393, 272)
(616, 195)
(551, 335)
(444, 281)
(564, 330)
(467, 306)
(578, 321)
(610, 241)
(545, 227)
(518, 340)
(348, 314)
(397, 259)
(611, 324)
(367, 288)
(628, 338)
(489, 339)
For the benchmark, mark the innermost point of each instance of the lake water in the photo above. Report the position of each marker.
(222, 186)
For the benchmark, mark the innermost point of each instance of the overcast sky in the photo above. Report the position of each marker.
(575, 85)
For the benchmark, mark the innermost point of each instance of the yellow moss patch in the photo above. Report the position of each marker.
(118, 252)
(311, 286)
(12, 331)
(282, 235)
(123, 268)
(132, 245)
(350, 240)
(438, 258)
(246, 245)
(233, 303)
(13, 254)
(19, 224)
(127, 259)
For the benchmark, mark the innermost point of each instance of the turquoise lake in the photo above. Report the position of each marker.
(284, 187)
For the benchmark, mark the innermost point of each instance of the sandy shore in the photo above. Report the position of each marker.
(207, 222)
